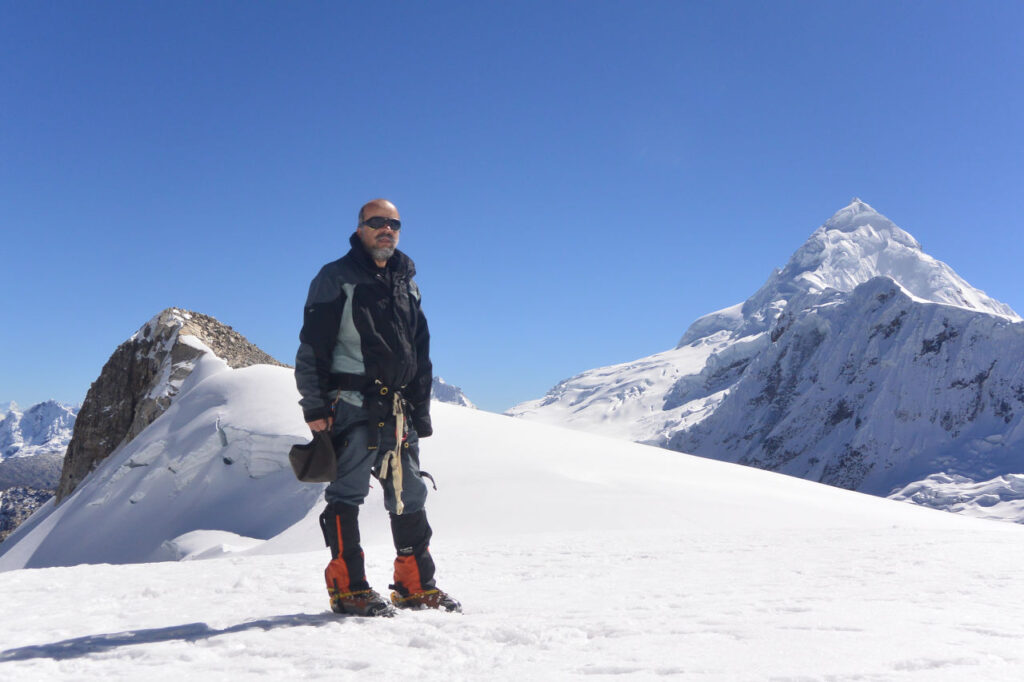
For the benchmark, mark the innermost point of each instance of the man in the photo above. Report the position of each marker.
(363, 370)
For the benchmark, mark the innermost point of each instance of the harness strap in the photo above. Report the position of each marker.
(350, 382)
(393, 458)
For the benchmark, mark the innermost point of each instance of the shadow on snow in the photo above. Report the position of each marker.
(190, 632)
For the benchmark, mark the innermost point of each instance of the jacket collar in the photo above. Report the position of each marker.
(399, 262)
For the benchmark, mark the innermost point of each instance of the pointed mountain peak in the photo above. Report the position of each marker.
(858, 244)
(855, 245)
(852, 215)
(858, 215)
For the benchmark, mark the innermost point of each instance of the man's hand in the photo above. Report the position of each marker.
(321, 424)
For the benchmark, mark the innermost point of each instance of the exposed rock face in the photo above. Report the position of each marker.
(17, 504)
(141, 379)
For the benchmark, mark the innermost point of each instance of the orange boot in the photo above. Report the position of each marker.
(345, 575)
(414, 586)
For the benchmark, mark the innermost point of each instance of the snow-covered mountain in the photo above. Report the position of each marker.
(446, 393)
(32, 447)
(570, 559)
(863, 363)
(41, 429)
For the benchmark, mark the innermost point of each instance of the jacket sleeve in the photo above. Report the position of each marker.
(419, 395)
(320, 321)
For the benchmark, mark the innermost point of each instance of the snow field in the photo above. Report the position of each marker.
(575, 556)
(891, 604)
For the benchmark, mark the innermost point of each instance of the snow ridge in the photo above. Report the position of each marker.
(721, 572)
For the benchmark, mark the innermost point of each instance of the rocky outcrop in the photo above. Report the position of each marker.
(141, 379)
(17, 504)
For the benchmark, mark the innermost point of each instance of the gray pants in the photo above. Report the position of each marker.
(355, 462)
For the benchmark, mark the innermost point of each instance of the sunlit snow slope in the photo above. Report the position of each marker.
(575, 556)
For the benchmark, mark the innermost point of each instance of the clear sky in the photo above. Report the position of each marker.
(578, 181)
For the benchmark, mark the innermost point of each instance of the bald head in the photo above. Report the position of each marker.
(381, 207)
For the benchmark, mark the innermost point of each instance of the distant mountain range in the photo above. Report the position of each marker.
(43, 428)
(864, 363)
(446, 393)
(32, 444)
(32, 447)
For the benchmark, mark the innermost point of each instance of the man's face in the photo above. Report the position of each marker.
(380, 243)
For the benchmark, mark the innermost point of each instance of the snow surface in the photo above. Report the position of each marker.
(575, 556)
(218, 455)
(1000, 498)
(629, 400)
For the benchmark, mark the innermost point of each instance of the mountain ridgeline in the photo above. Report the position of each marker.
(864, 363)
(140, 380)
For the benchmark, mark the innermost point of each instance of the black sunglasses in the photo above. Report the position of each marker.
(377, 222)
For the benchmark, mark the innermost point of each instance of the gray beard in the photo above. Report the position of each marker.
(382, 254)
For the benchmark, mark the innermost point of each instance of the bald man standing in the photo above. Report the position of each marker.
(363, 370)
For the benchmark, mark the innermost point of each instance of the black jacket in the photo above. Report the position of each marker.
(363, 324)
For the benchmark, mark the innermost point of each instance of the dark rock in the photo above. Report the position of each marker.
(17, 504)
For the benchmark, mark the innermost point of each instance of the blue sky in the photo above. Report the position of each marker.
(578, 181)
